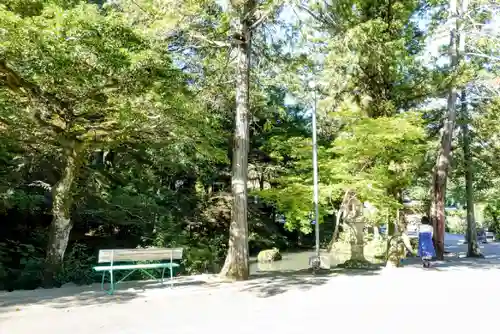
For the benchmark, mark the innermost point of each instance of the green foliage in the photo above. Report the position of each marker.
(73, 72)
(85, 75)
(371, 157)
(78, 264)
(376, 156)
(372, 56)
(26, 274)
(146, 90)
(205, 256)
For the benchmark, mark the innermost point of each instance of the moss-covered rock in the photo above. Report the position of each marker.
(269, 255)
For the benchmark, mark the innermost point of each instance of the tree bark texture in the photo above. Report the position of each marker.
(236, 263)
(338, 219)
(61, 224)
(395, 243)
(472, 244)
(443, 161)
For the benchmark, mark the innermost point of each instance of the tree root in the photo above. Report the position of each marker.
(475, 255)
(357, 264)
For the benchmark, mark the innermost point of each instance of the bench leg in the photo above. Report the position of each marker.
(171, 277)
(162, 275)
(102, 281)
(111, 289)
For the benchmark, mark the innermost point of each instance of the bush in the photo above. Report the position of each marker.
(21, 265)
(78, 263)
(205, 257)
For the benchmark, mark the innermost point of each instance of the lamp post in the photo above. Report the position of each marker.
(312, 85)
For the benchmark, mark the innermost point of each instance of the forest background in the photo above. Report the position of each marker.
(134, 123)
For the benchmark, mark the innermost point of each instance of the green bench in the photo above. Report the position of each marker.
(128, 260)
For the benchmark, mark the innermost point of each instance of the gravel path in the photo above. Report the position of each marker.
(385, 302)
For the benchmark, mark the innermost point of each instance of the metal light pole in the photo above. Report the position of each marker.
(312, 85)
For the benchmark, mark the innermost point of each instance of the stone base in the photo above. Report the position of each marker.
(323, 262)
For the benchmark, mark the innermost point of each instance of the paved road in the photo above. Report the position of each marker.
(387, 302)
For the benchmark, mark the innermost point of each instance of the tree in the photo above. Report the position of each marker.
(472, 244)
(246, 16)
(469, 36)
(236, 265)
(370, 65)
(90, 81)
(370, 159)
(204, 39)
(475, 19)
(443, 161)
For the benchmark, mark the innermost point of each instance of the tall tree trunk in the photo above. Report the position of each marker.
(472, 244)
(338, 220)
(236, 264)
(396, 243)
(336, 230)
(443, 160)
(61, 224)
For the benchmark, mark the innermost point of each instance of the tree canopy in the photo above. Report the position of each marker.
(188, 123)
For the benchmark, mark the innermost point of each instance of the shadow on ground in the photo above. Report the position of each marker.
(271, 283)
(263, 285)
(456, 259)
(76, 296)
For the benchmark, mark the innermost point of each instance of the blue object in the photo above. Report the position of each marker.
(313, 222)
(425, 245)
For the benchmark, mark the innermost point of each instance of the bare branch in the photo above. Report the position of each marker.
(261, 19)
(483, 55)
(218, 44)
(315, 16)
(45, 186)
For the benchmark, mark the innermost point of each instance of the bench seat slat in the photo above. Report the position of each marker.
(139, 254)
(136, 266)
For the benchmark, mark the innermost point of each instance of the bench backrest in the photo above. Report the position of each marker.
(139, 254)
